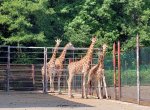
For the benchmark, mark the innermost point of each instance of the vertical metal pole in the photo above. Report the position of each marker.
(114, 66)
(8, 69)
(33, 74)
(137, 71)
(126, 72)
(119, 71)
(73, 55)
(45, 70)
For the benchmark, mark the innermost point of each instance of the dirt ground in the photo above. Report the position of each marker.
(38, 101)
(129, 94)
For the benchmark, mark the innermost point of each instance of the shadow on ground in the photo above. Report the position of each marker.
(26, 100)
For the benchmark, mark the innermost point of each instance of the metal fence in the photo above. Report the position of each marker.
(129, 76)
(20, 67)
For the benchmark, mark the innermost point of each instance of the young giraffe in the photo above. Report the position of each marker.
(59, 62)
(96, 74)
(81, 67)
(51, 66)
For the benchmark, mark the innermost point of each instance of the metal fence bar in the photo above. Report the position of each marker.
(45, 71)
(137, 71)
(8, 69)
(114, 66)
(33, 73)
(119, 70)
(61, 48)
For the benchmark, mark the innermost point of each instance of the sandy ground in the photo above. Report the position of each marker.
(38, 101)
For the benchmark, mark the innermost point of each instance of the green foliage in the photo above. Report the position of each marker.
(23, 58)
(17, 22)
(39, 22)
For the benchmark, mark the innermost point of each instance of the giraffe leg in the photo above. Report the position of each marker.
(51, 83)
(88, 85)
(42, 72)
(43, 84)
(101, 81)
(99, 89)
(96, 89)
(59, 90)
(105, 86)
(69, 85)
(88, 88)
(84, 94)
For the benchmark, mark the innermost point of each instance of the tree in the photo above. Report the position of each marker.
(41, 21)
(111, 20)
(17, 22)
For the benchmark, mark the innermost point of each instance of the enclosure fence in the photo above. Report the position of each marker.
(132, 83)
(129, 76)
(20, 70)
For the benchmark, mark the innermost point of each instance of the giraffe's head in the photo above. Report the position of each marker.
(104, 47)
(69, 46)
(58, 41)
(94, 39)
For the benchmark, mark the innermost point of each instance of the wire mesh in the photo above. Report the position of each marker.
(129, 76)
(108, 66)
(145, 75)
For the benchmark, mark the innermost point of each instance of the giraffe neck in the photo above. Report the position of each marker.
(90, 50)
(101, 59)
(63, 54)
(104, 52)
(53, 58)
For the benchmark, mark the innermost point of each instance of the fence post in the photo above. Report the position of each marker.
(45, 70)
(119, 71)
(114, 66)
(8, 68)
(137, 71)
(33, 74)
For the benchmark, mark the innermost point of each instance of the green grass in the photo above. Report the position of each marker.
(129, 76)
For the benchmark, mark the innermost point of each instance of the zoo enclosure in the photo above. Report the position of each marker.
(132, 74)
(20, 67)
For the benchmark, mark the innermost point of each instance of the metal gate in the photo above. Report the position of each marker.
(20, 68)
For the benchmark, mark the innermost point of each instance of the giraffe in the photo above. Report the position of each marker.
(96, 74)
(59, 63)
(81, 67)
(51, 66)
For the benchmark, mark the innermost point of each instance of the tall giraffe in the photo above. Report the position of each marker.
(51, 66)
(96, 74)
(81, 67)
(59, 62)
